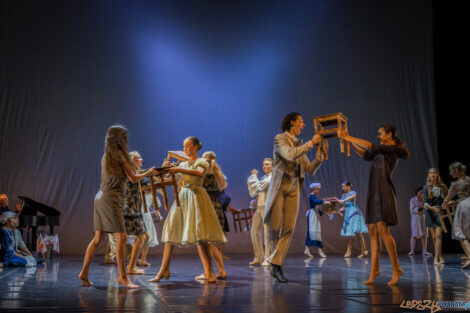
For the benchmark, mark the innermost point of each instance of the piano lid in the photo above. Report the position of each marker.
(31, 207)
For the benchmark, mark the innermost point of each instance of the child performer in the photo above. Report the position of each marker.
(313, 224)
(151, 239)
(381, 209)
(353, 223)
(116, 165)
(195, 220)
(418, 230)
(215, 183)
(434, 193)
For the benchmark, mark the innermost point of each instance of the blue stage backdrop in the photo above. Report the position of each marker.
(224, 71)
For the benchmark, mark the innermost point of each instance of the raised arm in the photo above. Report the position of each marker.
(288, 152)
(357, 141)
(312, 167)
(255, 185)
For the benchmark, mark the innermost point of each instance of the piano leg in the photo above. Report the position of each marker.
(51, 230)
(33, 237)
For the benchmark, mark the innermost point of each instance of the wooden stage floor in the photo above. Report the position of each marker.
(333, 284)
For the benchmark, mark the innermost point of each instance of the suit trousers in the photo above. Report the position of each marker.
(257, 230)
(283, 217)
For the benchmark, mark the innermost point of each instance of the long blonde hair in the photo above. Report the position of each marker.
(216, 170)
(116, 153)
(438, 183)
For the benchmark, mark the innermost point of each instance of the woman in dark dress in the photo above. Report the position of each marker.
(215, 184)
(381, 210)
(434, 193)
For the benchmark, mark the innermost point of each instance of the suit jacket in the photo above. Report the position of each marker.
(288, 155)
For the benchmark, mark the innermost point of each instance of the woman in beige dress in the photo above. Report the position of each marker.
(116, 165)
(195, 220)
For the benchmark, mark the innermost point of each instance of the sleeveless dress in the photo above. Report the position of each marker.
(133, 216)
(215, 194)
(109, 203)
(353, 222)
(195, 221)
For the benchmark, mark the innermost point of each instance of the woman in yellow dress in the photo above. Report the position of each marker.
(195, 220)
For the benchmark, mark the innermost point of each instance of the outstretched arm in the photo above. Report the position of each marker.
(197, 172)
(288, 152)
(135, 176)
(361, 143)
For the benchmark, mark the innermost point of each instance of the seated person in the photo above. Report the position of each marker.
(13, 251)
(3, 203)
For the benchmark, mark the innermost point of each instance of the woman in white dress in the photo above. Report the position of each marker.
(195, 221)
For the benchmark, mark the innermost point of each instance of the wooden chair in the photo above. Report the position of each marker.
(159, 182)
(450, 211)
(339, 122)
(242, 215)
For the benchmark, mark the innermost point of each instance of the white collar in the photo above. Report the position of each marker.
(291, 137)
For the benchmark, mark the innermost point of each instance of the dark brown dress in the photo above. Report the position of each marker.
(381, 196)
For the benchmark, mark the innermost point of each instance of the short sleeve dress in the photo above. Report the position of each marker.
(109, 203)
(381, 196)
(214, 193)
(353, 222)
(195, 221)
(433, 196)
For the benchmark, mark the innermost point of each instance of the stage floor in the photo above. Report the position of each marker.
(333, 284)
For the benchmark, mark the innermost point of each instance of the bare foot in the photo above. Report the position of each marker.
(135, 271)
(348, 254)
(225, 257)
(85, 281)
(160, 275)
(436, 261)
(372, 276)
(201, 277)
(211, 278)
(395, 277)
(143, 263)
(127, 283)
(221, 275)
(441, 261)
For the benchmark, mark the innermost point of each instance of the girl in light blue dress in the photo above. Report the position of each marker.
(353, 224)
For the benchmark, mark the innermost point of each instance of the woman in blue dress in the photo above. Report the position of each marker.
(313, 223)
(13, 251)
(353, 223)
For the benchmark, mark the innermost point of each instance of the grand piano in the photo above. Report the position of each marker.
(29, 218)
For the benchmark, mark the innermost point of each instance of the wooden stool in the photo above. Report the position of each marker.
(450, 211)
(242, 215)
(340, 122)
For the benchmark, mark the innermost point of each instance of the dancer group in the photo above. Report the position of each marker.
(200, 220)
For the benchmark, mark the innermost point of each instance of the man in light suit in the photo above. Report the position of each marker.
(259, 188)
(282, 203)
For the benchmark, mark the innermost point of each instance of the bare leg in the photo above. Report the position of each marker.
(375, 253)
(349, 249)
(219, 261)
(164, 271)
(204, 254)
(392, 251)
(121, 262)
(221, 250)
(364, 251)
(89, 254)
(439, 258)
(145, 249)
(412, 246)
(132, 266)
(425, 242)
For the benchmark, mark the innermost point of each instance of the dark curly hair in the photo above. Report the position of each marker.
(391, 129)
(286, 122)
